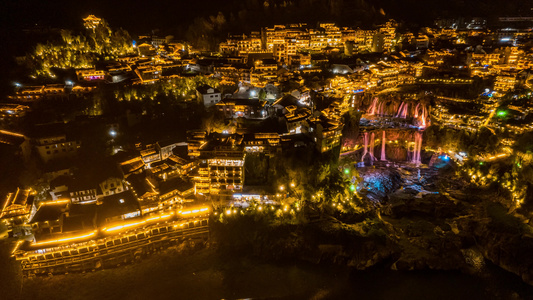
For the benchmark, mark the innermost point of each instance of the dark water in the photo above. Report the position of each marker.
(381, 283)
(205, 275)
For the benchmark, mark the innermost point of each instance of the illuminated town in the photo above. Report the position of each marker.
(320, 145)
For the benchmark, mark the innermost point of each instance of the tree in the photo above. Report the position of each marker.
(262, 94)
(214, 122)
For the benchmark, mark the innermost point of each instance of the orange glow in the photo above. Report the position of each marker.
(17, 246)
(123, 226)
(161, 217)
(7, 201)
(194, 211)
(56, 202)
(133, 224)
(11, 133)
(68, 239)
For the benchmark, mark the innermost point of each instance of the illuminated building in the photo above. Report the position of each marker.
(46, 216)
(505, 83)
(146, 50)
(82, 193)
(174, 191)
(422, 42)
(91, 22)
(209, 96)
(148, 73)
(327, 133)
(90, 249)
(484, 59)
(378, 42)
(226, 172)
(10, 110)
(52, 144)
(364, 38)
(196, 139)
(16, 209)
(116, 208)
(261, 142)
(232, 73)
(296, 120)
(243, 108)
(111, 185)
(90, 74)
(263, 72)
(387, 75)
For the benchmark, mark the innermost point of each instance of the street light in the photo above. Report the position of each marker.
(292, 184)
(281, 187)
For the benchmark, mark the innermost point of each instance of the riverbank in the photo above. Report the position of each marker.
(206, 275)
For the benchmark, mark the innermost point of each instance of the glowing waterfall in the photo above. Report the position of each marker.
(403, 110)
(372, 146)
(383, 142)
(372, 108)
(365, 146)
(417, 159)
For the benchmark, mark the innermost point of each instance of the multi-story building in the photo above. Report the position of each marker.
(90, 74)
(56, 146)
(505, 83)
(327, 133)
(226, 172)
(263, 72)
(209, 96)
(243, 108)
(261, 142)
(422, 42)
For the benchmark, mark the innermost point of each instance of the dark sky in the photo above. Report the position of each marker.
(134, 15)
(141, 15)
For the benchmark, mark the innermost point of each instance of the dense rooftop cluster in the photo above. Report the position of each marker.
(142, 130)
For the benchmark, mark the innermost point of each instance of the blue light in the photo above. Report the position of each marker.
(444, 157)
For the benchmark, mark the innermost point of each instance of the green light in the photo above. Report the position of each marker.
(502, 113)
(352, 188)
(346, 171)
(480, 163)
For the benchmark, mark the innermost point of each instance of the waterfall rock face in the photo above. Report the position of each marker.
(378, 183)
